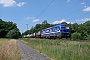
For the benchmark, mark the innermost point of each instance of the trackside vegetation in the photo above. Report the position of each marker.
(8, 50)
(3, 41)
(60, 49)
(76, 36)
(9, 30)
(81, 30)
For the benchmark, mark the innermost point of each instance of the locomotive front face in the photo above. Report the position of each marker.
(65, 30)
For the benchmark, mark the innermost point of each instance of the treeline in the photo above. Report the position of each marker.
(8, 30)
(38, 27)
(78, 31)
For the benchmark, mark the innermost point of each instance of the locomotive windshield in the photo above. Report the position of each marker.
(65, 27)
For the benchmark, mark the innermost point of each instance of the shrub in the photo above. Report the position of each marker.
(88, 37)
(14, 33)
(76, 36)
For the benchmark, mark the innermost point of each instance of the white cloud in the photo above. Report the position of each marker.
(68, 0)
(60, 21)
(20, 4)
(56, 22)
(83, 20)
(32, 18)
(9, 3)
(83, 3)
(86, 8)
(35, 20)
(28, 18)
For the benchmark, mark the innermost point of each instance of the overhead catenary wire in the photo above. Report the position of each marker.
(74, 12)
(79, 16)
(45, 9)
(50, 4)
(64, 15)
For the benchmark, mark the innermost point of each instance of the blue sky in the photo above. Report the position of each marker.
(24, 12)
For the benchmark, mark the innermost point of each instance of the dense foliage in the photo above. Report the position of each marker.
(38, 27)
(76, 36)
(82, 29)
(6, 28)
(14, 33)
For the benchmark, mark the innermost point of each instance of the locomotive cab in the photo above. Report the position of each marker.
(65, 30)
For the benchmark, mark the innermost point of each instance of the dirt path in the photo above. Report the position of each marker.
(29, 53)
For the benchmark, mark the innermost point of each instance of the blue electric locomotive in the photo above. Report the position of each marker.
(57, 31)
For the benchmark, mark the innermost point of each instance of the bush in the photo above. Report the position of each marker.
(14, 33)
(88, 37)
(76, 36)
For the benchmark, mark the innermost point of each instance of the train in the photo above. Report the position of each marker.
(57, 31)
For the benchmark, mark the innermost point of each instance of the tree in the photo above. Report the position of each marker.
(74, 27)
(86, 30)
(14, 33)
(76, 36)
(45, 22)
(86, 27)
(63, 23)
(88, 37)
(38, 27)
(5, 27)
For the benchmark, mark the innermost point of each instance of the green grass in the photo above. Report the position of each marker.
(61, 49)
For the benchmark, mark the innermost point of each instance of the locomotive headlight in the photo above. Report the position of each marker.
(58, 30)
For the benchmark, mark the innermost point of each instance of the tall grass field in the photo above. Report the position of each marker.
(8, 50)
(60, 49)
(3, 41)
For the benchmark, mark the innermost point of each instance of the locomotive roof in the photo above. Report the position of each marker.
(61, 24)
(55, 25)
